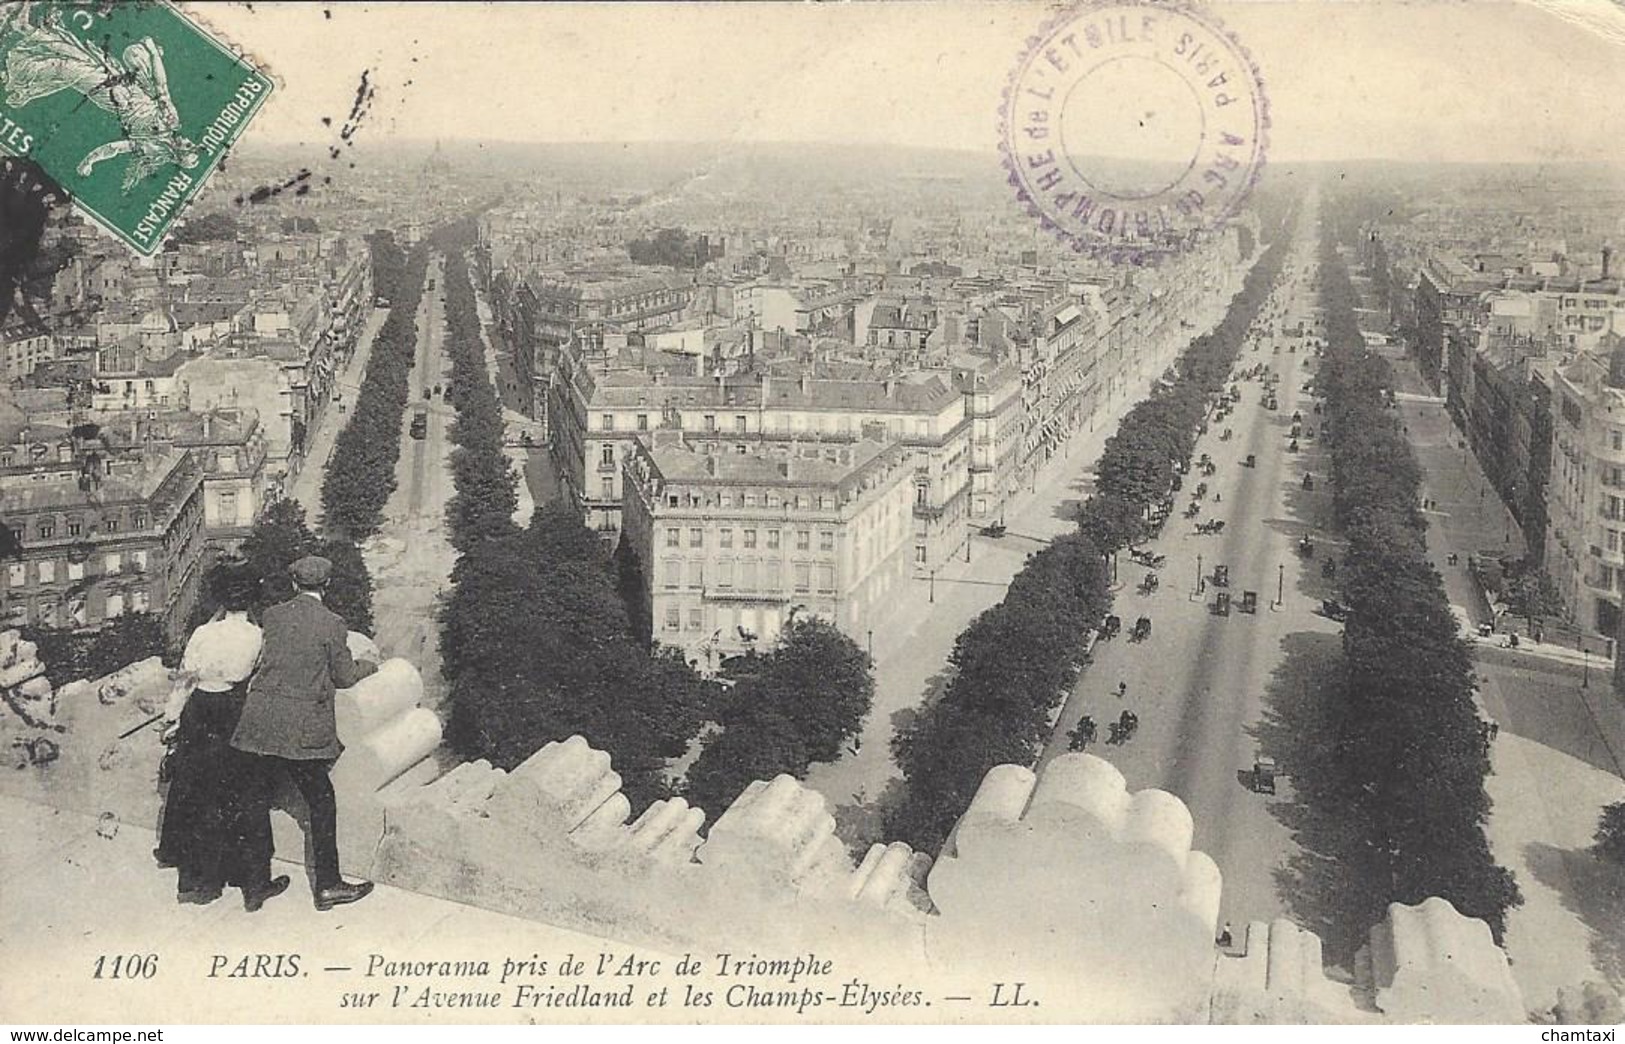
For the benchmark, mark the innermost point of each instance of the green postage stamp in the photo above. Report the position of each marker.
(129, 105)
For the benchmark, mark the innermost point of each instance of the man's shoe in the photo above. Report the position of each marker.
(341, 893)
(254, 898)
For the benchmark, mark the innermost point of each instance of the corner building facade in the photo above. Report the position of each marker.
(732, 544)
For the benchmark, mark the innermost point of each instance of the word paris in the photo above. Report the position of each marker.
(131, 145)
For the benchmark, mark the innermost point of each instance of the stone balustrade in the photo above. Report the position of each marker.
(1065, 880)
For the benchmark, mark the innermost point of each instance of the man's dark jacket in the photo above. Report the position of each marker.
(289, 709)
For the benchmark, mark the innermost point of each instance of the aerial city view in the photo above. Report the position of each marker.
(678, 540)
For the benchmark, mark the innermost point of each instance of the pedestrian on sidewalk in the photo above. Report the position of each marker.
(1122, 689)
(288, 718)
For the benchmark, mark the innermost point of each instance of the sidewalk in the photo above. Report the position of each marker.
(1559, 755)
(307, 487)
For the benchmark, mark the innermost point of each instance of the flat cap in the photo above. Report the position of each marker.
(311, 571)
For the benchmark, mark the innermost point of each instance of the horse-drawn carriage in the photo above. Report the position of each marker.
(1210, 528)
(1149, 584)
(1146, 558)
(1110, 628)
(1142, 629)
(994, 530)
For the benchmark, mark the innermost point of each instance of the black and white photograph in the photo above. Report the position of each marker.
(894, 513)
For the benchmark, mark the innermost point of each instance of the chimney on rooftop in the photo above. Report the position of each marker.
(1607, 259)
(806, 383)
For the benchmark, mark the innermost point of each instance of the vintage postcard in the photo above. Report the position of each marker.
(878, 513)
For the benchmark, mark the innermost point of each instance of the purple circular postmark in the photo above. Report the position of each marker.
(1128, 126)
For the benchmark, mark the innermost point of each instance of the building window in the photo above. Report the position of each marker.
(696, 574)
(803, 540)
(919, 554)
(643, 422)
(747, 575)
(739, 423)
(727, 537)
(110, 525)
(671, 574)
(750, 538)
(18, 572)
(75, 527)
(607, 492)
(76, 571)
(725, 574)
(674, 537)
(47, 530)
(803, 577)
(139, 560)
(47, 614)
(607, 458)
(673, 619)
(750, 500)
(139, 520)
(696, 537)
(826, 578)
(696, 619)
(826, 541)
(113, 563)
(607, 422)
(47, 572)
(772, 539)
(228, 508)
(710, 422)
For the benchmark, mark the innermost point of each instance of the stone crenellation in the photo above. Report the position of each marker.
(1029, 885)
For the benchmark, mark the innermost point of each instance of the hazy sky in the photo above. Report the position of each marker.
(1483, 80)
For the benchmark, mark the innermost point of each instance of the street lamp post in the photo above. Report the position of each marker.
(1280, 585)
(871, 643)
(1585, 679)
(1198, 572)
(933, 596)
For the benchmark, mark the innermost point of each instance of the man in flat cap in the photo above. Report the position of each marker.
(288, 715)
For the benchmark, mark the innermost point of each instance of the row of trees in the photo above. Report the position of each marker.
(485, 500)
(361, 475)
(389, 265)
(1011, 668)
(1410, 744)
(537, 647)
(1015, 663)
